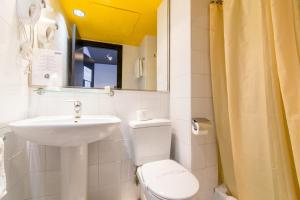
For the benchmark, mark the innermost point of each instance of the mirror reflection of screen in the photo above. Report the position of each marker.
(87, 84)
(87, 76)
(98, 65)
(105, 75)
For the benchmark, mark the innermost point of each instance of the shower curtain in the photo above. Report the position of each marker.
(255, 71)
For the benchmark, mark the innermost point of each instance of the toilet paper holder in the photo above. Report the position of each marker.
(201, 126)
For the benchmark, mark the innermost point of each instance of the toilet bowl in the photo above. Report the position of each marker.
(160, 178)
(167, 179)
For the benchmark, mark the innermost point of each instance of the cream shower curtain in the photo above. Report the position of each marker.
(256, 89)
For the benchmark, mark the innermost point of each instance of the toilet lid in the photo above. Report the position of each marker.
(169, 180)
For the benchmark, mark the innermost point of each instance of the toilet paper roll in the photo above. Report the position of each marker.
(142, 115)
(201, 126)
(200, 132)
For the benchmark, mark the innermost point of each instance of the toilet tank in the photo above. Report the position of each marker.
(151, 140)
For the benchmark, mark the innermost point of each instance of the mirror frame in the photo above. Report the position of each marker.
(118, 89)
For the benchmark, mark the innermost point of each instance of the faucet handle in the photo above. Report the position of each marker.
(77, 107)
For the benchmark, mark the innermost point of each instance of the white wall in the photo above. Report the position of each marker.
(33, 171)
(180, 80)
(130, 56)
(162, 46)
(13, 99)
(204, 148)
(148, 52)
(35, 174)
(191, 91)
(13, 82)
(111, 171)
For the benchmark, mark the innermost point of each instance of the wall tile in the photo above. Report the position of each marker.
(93, 177)
(8, 11)
(127, 170)
(150, 102)
(93, 153)
(201, 86)
(109, 174)
(93, 194)
(52, 183)
(35, 185)
(211, 152)
(126, 104)
(180, 108)
(182, 153)
(202, 107)
(129, 191)
(208, 179)
(199, 157)
(180, 129)
(110, 193)
(200, 62)
(36, 157)
(52, 158)
(109, 151)
(180, 86)
(14, 100)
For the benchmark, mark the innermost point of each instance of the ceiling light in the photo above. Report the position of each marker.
(78, 13)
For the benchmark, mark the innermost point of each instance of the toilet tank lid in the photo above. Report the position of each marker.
(149, 123)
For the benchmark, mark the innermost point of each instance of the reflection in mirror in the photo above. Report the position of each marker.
(121, 44)
(97, 65)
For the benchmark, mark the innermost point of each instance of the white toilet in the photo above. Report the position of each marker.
(160, 178)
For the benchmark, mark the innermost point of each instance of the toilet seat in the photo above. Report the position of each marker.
(167, 179)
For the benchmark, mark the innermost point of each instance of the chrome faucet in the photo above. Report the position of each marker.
(77, 108)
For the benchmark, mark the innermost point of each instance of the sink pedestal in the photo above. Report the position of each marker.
(74, 169)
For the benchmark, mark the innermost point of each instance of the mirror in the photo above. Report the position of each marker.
(123, 44)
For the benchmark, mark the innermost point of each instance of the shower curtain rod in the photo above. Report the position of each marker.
(217, 1)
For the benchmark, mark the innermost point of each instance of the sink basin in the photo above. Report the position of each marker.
(72, 135)
(66, 131)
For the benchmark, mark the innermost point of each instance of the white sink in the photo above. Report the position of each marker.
(72, 135)
(66, 131)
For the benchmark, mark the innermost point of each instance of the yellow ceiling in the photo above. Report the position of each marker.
(112, 21)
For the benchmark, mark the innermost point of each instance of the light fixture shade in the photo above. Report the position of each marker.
(29, 11)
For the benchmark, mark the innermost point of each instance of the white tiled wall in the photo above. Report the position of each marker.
(190, 94)
(13, 82)
(15, 162)
(204, 148)
(111, 171)
(33, 171)
(180, 81)
(13, 100)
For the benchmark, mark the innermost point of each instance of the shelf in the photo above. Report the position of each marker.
(41, 91)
